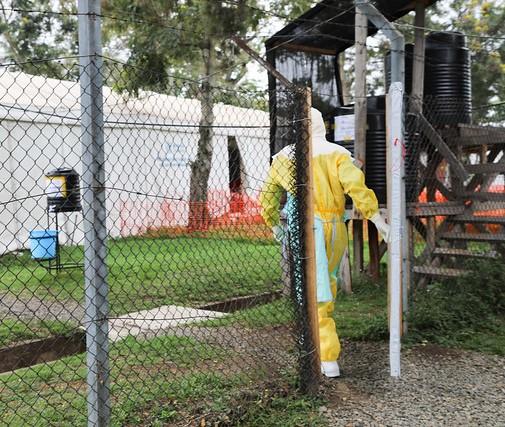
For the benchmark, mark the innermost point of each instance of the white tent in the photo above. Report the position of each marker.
(150, 143)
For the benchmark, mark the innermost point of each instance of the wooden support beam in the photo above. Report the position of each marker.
(344, 80)
(312, 384)
(419, 227)
(439, 271)
(484, 197)
(345, 273)
(476, 140)
(360, 122)
(481, 237)
(435, 209)
(479, 180)
(265, 64)
(464, 253)
(373, 246)
(429, 131)
(418, 60)
(485, 168)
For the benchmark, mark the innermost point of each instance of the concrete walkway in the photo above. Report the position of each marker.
(157, 321)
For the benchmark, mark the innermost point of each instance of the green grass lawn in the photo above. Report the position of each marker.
(142, 373)
(149, 272)
(158, 382)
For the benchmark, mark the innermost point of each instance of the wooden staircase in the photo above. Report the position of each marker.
(469, 223)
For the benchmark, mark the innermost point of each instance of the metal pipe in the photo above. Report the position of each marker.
(94, 214)
(398, 248)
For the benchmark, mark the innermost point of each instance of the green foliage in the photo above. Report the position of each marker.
(30, 36)
(149, 272)
(458, 311)
(170, 37)
(15, 330)
(484, 22)
(292, 8)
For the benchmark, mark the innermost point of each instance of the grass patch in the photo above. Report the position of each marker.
(141, 372)
(14, 330)
(467, 312)
(149, 272)
(276, 313)
(358, 316)
(361, 315)
(163, 381)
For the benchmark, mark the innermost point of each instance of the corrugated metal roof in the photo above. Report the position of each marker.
(329, 26)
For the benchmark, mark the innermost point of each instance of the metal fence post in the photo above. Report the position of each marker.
(398, 248)
(95, 233)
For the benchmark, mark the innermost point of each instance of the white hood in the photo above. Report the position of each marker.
(319, 143)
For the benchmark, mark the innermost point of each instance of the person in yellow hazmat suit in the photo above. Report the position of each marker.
(335, 175)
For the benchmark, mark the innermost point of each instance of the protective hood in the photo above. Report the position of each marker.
(320, 145)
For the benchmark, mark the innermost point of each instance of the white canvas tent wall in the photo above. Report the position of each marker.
(150, 142)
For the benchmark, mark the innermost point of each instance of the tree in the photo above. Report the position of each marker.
(185, 38)
(28, 36)
(483, 22)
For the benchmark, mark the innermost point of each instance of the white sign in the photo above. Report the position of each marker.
(56, 186)
(174, 154)
(344, 128)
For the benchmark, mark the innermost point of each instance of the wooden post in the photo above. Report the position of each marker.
(416, 105)
(373, 245)
(418, 60)
(345, 273)
(344, 81)
(310, 248)
(360, 122)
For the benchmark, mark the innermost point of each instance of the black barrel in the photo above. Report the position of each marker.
(375, 176)
(447, 80)
(63, 191)
(409, 61)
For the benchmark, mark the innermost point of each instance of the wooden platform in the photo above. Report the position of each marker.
(465, 253)
(439, 271)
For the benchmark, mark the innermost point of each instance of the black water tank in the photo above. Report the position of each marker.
(375, 176)
(409, 61)
(447, 80)
(63, 192)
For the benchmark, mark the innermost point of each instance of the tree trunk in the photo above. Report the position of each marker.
(199, 215)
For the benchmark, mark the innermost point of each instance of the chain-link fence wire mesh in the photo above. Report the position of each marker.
(455, 185)
(197, 317)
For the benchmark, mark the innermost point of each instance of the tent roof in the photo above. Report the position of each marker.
(328, 28)
(38, 98)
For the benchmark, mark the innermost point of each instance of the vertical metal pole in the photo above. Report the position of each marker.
(394, 113)
(396, 179)
(94, 214)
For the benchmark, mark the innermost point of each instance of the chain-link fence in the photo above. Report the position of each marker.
(455, 186)
(143, 279)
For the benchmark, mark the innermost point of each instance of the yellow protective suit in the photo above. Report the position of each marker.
(334, 176)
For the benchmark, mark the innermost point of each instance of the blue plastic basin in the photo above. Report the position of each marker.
(43, 244)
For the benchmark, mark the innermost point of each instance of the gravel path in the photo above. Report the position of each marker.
(31, 307)
(438, 387)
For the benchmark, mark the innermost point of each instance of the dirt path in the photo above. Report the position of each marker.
(438, 387)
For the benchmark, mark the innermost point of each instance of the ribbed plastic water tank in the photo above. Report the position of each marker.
(448, 79)
(375, 176)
